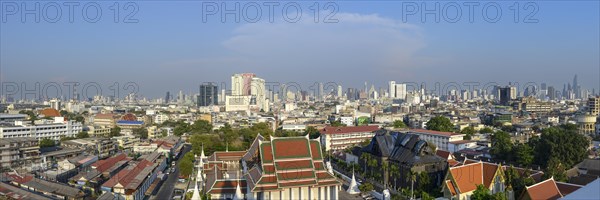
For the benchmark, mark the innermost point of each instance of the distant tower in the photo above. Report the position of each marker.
(167, 97)
(208, 95)
(392, 89)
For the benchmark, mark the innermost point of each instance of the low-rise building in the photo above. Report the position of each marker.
(133, 181)
(51, 189)
(102, 147)
(20, 153)
(462, 181)
(41, 129)
(338, 138)
(439, 138)
(126, 141)
(293, 127)
(99, 131)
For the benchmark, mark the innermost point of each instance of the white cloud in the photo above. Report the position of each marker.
(316, 50)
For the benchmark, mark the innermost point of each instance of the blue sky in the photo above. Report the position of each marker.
(171, 48)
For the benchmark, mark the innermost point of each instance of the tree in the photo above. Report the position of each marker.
(468, 131)
(523, 154)
(373, 163)
(180, 129)
(424, 183)
(116, 131)
(47, 143)
(365, 188)
(440, 123)
(518, 180)
(201, 126)
(412, 177)
(486, 130)
(481, 193)
(560, 142)
(399, 124)
(141, 132)
(82, 134)
(312, 132)
(186, 165)
(365, 157)
(385, 165)
(426, 196)
(555, 169)
(395, 172)
(501, 146)
(337, 123)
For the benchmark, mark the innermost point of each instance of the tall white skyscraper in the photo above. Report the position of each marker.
(247, 90)
(392, 87)
(401, 91)
(339, 91)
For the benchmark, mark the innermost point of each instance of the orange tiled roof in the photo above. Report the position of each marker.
(451, 187)
(543, 190)
(467, 177)
(50, 112)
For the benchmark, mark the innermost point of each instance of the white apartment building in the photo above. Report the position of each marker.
(348, 121)
(293, 127)
(161, 118)
(246, 90)
(440, 139)
(42, 129)
(338, 138)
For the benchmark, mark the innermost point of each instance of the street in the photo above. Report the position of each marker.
(168, 186)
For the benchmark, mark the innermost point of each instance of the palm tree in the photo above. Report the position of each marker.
(385, 165)
(372, 164)
(395, 172)
(366, 157)
(412, 176)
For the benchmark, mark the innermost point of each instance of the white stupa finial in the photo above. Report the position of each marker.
(353, 188)
(196, 194)
(202, 155)
(238, 192)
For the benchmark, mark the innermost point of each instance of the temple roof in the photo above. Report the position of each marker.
(288, 162)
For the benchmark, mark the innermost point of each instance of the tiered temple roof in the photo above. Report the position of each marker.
(286, 162)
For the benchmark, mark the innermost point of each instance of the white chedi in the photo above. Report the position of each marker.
(353, 188)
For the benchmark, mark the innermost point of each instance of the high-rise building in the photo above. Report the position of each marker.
(392, 88)
(167, 97)
(321, 95)
(507, 94)
(247, 90)
(594, 105)
(551, 93)
(55, 103)
(208, 95)
(339, 91)
(401, 91)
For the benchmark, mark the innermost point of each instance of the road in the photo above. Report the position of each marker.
(166, 188)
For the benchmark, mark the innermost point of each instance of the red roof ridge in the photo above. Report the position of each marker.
(541, 182)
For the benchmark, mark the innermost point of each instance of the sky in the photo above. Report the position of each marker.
(164, 46)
